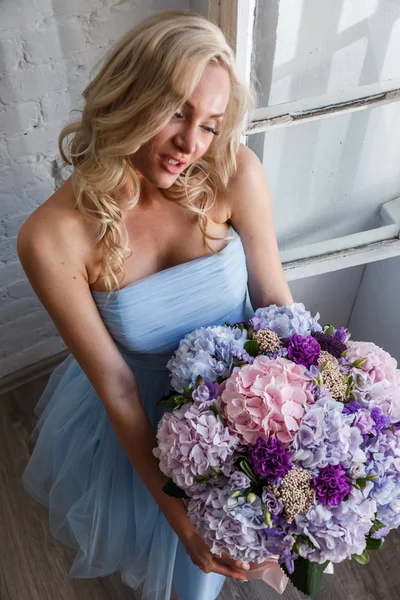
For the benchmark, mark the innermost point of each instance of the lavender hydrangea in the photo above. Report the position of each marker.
(191, 443)
(234, 526)
(326, 436)
(336, 532)
(383, 452)
(206, 351)
(286, 320)
(239, 481)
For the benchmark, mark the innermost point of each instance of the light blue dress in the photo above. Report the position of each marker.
(97, 502)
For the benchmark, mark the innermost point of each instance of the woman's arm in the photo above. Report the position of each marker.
(52, 252)
(251, 214)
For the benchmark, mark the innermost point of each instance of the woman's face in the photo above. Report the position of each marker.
(189, 133)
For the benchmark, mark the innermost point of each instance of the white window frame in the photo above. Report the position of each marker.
(236, 18)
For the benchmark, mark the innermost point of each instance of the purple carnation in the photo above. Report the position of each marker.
(329, 343)
(269, 458)
(303, 350)
(352, 407)
(331, 485)
(381, 420)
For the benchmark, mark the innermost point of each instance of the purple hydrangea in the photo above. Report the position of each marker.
(286, 320)
(364, 422)
(383, 453)
(380, 533)
(336, 532)
(331, 485)
(329, 343)
(239, 481)
(303, 350)
(207, 352)
(269, 459)
(326, 436)
(234, 526)
(191, 443)
(206, 393)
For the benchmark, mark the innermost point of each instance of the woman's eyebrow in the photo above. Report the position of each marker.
(192, 107)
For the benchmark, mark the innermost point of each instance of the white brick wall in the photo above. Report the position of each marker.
(47, 49)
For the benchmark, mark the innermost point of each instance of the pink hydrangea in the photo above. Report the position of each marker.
(377, 380)
(267, 398)
(192, 441)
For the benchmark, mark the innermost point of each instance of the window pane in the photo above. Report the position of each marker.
(306, 48)
(328, 178)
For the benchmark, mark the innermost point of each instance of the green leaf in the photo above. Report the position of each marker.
(373, 544)
(378, 524)
(330, 330)
(173, 400)
(171, 489)
(307, 576)
(358, 362)
(361, 482)
(363, 558)
(244, 465)
(252, 347)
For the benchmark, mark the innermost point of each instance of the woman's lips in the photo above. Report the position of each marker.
(171, 168)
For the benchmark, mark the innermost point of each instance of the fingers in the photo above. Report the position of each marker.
(237, 564)
(223, 569)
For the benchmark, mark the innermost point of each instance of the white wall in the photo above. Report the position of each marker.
(328, 178)
(47, 48)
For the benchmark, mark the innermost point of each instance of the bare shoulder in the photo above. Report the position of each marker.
(57, 228)
(249, 176)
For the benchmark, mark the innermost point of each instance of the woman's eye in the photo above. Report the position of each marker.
(210, 130)
(178, 115)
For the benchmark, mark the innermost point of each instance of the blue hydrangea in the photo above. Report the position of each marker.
(286, 320)
(336, 532)
(383, 454)
(207, 351)
(326, 437)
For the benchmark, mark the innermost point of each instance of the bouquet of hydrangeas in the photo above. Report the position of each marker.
(284, 439)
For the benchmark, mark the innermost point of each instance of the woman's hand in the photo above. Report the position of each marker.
(207, 562)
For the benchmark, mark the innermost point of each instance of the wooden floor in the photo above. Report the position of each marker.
(33, 566)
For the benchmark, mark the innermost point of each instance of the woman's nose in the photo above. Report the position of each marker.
(186, 140)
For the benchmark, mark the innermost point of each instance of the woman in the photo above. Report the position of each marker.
(164, 223)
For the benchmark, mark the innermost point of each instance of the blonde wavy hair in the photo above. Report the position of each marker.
(143, 80)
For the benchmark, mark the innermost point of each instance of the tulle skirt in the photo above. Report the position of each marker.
(97, 503)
